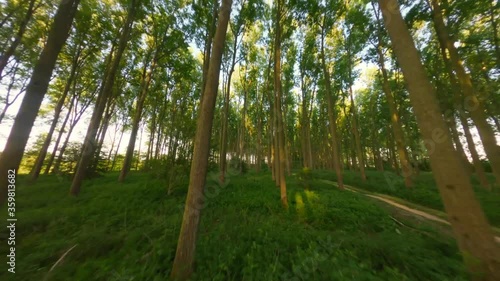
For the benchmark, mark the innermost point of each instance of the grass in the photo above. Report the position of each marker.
(424, 192)
(129, 232)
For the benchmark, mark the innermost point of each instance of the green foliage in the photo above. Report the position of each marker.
(212, 166)
(30, 155)
(487, 166)
(98, 167)
(239, 165)
(306, 177)
(70, 158)
(244, 234)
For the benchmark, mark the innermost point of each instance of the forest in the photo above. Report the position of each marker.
(250, 140)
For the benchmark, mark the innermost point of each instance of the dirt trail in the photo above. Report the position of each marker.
(401, 206)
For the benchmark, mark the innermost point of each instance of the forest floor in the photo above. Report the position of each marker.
(129, 231)
(424, 195)
(402, 205)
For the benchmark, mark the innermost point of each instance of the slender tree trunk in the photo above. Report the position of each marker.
(280, 134)
(472, 231)
(35, 171)
(457, 97)
(305, 160)
(4, 59)
(208, 47)
(478, 166)
(271, 122)
(472, 102)
(35, 92)
(184, 256)
(357, 140)
(452, 123)
(117, 149)
(57, 164)
(226, 112)
(139, 150)
(309, 154)
(137, 118)
(276, 161)
(102, 134)
(223, 153)
(494, 29)
(9, 102)
(285, 135)
(353, 149)
(242, 130)
(60, 134)
(272, 158)
(397, 130)
(497, 123)
(331, 115)
(74, 121)
(110, 153)
(258, 158)
(89, 142)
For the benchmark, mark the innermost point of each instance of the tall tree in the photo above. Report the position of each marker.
(332, 115)
(397, 129)
(36, 90)
(89, 145)
(35, 171)
(184, 257)
(472, 231)
(472, 101)
(280, 130)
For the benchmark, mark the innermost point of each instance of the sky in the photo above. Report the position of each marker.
(42, 124)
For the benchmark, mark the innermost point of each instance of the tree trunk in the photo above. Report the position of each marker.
(242, 130)
(117, 149)
(331, 115)
(208, 47)
(472, 102)
(357, 140)
(392, 152)
(397, 130)
(280, 134)
(8, 103)
(223, 153)
(472, 231)
(21, 129)
(102, 134)
(276, 162)
(89, 142)
(226, 112)
(478, 166)
(452, 123)
(494, 29)
(258, 158)
(137, 117)
(35, 171)
(271, 143)
(59, 137)
(184, 256)
(139, 150)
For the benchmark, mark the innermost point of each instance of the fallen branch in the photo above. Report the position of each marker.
(60, 259)
(410, 227)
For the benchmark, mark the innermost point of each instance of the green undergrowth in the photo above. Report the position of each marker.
(129, 232)
(424, 192)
